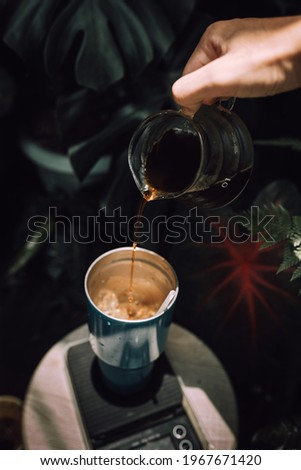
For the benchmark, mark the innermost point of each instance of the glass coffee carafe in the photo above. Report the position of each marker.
(207, 158)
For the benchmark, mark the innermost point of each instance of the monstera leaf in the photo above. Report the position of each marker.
(95, 43)
(104, 40)
(108, 40)
(28, 26)
(88, 59)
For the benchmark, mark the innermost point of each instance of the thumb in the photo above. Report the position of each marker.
(202, 86)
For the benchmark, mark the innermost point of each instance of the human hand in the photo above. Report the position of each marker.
(244, 58)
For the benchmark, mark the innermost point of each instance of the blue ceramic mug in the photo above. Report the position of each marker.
(127, 348)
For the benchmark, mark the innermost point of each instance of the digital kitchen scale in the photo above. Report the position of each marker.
(166, 415)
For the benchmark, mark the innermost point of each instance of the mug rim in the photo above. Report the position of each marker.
(123, 320)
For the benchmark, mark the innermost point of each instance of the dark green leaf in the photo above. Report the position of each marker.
(296, 227)
(268, 244)
(289, 258)
(28, 251)
(156, 23)
(28, 27)
(130, 35)
(104, 39)
(297, 273)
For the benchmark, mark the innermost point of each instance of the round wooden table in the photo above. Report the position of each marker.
(51, 417)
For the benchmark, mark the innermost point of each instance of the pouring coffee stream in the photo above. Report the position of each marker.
(135, 243)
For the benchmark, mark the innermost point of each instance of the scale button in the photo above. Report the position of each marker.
(185, 444)
(179, 431)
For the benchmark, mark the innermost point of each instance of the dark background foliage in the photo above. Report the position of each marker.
(78, 76)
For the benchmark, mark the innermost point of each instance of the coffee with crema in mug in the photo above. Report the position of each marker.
(110, 294)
